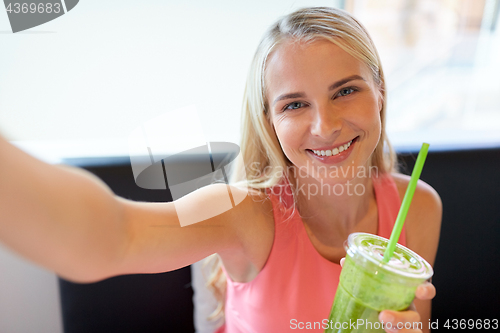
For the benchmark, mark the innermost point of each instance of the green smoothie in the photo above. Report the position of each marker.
(368, 286)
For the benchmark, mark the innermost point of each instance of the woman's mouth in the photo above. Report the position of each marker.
(335, 151)
(336, 154)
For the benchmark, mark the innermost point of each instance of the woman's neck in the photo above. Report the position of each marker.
(335, 208)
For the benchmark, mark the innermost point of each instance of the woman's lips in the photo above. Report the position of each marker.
(341, 156)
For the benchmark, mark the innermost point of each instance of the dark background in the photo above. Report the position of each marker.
(466, 268)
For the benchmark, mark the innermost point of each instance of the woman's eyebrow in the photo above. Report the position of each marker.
(344, 81)
(333, 86)
(288, 96)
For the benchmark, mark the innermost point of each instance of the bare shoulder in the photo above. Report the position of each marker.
(246, 211)
(425, 195)
(254, 227)
(246, 215)
(423, 222)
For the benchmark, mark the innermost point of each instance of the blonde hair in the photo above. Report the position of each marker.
(260, 148)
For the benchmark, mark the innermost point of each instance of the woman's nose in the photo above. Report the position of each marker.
(326, 122)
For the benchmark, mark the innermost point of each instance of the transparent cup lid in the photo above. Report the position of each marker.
(404, 262)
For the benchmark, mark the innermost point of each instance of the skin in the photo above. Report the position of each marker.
(69, 222)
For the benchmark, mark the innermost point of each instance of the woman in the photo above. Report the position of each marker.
(315, 88)
(313, 144)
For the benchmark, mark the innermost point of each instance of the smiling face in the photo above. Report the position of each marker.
(324, 107)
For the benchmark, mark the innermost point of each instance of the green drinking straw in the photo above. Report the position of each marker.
(405, 205)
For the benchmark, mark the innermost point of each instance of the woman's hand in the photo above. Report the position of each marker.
(409, 320)
(410, 317)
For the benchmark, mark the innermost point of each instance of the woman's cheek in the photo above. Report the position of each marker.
(288, 137)
(369, 116)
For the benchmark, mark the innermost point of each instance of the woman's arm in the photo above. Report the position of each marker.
(157, 242)
(423, 225)
(70, 222)
(423, 230)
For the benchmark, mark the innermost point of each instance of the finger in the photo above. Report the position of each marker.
(403, 330)
(342, 262)
(425, 291)
(404, 320)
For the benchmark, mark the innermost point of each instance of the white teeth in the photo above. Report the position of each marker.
(334, 151)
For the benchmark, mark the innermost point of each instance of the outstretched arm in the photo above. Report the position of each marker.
(70, 222)
(59, 217)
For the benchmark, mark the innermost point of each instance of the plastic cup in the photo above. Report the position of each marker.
(367, 285)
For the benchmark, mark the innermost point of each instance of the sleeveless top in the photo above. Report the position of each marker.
(296, 284)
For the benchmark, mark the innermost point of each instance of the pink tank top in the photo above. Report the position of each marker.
(296, 285)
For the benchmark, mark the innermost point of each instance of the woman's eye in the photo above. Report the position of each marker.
(346, 91)
(294, 106)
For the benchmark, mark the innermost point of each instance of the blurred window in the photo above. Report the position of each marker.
(89, 77)
(442, 64)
